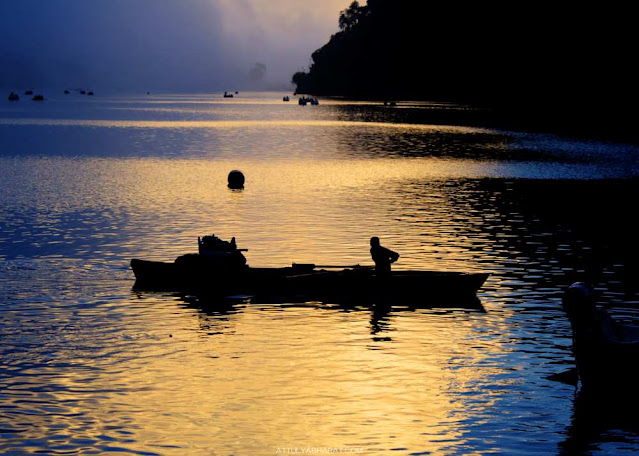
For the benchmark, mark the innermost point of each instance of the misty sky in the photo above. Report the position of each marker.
(172, 45)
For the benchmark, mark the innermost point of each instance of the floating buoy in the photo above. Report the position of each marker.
(236, 179)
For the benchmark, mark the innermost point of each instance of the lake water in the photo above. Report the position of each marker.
(88, 366)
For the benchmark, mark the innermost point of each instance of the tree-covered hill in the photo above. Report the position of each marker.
(526, 58)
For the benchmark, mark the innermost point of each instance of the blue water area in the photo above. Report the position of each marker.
(88, 365)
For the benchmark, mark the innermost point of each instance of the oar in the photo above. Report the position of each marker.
(328, 266)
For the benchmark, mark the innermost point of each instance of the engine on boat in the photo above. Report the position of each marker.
(215, 253)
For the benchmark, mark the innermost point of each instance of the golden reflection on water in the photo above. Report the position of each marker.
(321, 211)
(300, 377)
(262, 377)
(213, 124)
(89, 365)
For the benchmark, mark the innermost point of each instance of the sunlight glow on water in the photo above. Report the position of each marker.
(87, 366)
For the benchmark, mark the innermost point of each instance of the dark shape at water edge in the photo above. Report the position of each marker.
(605, 350)
(569, 377)
(236, 180)
(38, 97)
(567, 78)
(13, 97)
(597, 418)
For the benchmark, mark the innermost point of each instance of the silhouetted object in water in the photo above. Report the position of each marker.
(303, 101)
(286, 98)
(606, 351)
(236, 180)
(28, 92)
(382, 257)
(228, 95)
(83, 92)
(89, 93)
(236, 92)
(219, 269)
(66, 92)
(13, 97)
(38, 98)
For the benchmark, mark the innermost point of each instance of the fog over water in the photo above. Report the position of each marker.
(166, 45)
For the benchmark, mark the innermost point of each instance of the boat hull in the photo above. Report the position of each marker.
(293, 283)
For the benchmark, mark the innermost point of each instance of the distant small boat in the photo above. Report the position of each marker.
(228, 95)
(89, 93)
(605, 350)
(13, 97)
(83, 92)
(28, 92)
(38, 98)
(66, 92)
(304, 100)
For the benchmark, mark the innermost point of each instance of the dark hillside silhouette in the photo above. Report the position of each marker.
(546, 65)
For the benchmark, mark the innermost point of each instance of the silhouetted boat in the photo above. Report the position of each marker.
(605, 349)
(302, 101)
(228, 95)
(224, 272)
(38, 98)
(28, 92)
(13, 97)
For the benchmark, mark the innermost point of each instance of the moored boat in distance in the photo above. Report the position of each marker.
(220, 269)
(303, 101)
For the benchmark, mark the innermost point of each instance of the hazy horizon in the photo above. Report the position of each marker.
(161, 45)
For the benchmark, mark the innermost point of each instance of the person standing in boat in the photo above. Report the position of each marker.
(382, 257)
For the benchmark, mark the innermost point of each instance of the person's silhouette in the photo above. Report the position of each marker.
(382, 257)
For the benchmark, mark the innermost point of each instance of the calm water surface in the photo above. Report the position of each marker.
(89, 366)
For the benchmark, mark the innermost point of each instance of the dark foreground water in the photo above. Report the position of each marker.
(89, 366)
